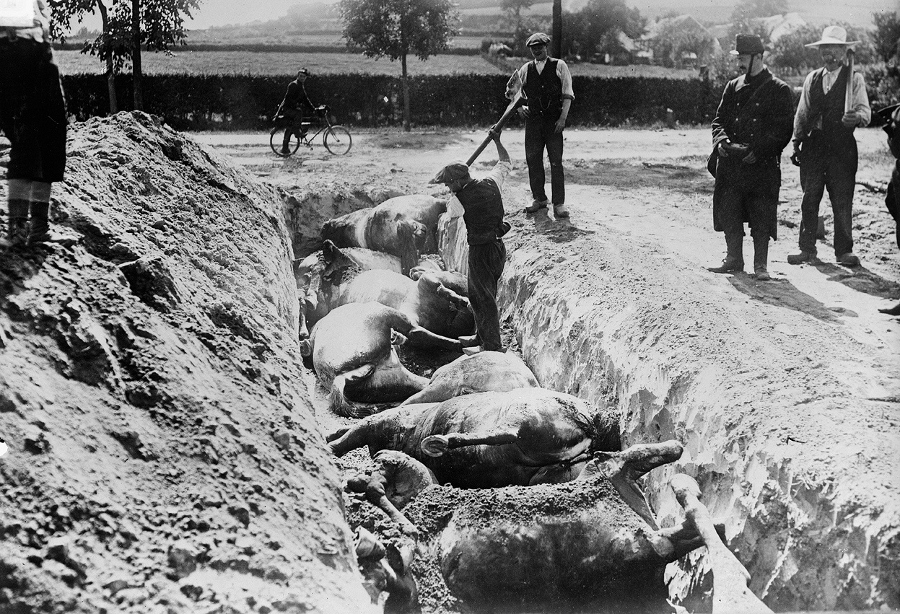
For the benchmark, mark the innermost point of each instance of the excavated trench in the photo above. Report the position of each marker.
(165, 454)
(596, 318)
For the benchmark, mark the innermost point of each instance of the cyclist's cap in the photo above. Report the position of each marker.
(303, 71)
(452, 172)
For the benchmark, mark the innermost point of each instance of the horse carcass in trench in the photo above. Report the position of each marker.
(482, 440)
(588, 545)
(405, 226)
(353, 354)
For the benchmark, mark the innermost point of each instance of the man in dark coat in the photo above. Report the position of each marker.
(482, 205)
(752, 126)
(293, 106)
(825, 148)
(33, 118)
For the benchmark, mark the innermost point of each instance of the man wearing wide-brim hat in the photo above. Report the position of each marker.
(825, 148)
(751, 128)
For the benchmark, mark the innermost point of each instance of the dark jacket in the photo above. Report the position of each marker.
(483, 211)
(295, 99)
(759, 114)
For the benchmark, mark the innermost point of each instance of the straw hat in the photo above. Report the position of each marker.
(833, 35)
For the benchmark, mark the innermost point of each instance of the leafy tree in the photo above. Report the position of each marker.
(886, 37)
(127, 25)
(514, 8)
(596, 27)
(396, 28)
(682, 35)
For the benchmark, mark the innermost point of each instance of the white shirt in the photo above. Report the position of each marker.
(859, 98)
(42, 16)
(499, 174)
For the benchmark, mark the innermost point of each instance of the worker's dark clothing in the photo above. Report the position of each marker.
(757, 112)
(32, 110)
(828, 159)
(483, 215)
(295, 107)
(544, 93)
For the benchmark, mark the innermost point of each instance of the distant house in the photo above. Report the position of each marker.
(680, 41)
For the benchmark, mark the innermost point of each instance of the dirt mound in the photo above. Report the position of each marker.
(163, 454)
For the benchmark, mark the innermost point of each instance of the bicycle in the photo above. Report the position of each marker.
(336, 138)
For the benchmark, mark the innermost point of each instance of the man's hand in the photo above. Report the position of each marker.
(560, 125)
(795, 157)
(750, 158)
(523, 111)
(723, 151)
(850, 119)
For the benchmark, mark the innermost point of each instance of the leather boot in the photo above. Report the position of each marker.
(761, 258)
(16, 224)
(734, 260)
(40, 224)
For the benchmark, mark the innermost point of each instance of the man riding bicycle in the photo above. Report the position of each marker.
(291, 109)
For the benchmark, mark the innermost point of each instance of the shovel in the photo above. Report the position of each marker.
(513, 105)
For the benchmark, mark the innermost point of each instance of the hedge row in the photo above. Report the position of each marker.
(235, 102)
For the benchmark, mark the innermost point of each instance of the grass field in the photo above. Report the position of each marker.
(263, 63)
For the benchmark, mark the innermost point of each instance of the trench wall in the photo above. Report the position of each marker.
(806, 521)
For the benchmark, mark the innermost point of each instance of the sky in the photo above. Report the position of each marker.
(227, 12)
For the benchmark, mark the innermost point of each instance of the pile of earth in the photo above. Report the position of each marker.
(162, 451)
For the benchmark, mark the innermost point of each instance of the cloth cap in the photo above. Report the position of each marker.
(833, 35)
(452, 172)
(303, 71)
(538, 38)
(747, 44)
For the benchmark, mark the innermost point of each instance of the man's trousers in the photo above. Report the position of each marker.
(486, 263)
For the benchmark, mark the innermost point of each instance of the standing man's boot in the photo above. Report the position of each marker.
(16, 224)
(734, 260)
(761, 258)
(40, 223)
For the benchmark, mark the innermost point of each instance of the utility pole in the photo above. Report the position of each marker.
(556, 47)
(136, 54)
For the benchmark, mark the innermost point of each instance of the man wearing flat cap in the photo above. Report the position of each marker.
(824, 145)
(292, 108)
(546, 86)
(481, 203)
(751, 128)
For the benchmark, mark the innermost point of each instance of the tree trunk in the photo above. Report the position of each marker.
(136, 54)
(556, 51)
(110, 70)
(404, 80)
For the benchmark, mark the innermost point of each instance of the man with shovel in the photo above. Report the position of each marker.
(833, 103)
(482, 204)
(546, 87)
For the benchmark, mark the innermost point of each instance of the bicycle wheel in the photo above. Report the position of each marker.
(337, 140)
(276, 141)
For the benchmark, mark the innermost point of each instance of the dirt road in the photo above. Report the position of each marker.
(645, 184)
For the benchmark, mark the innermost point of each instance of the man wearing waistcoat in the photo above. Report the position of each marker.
(825, 148)
(546, 86)
(751, 128)
(482, 205)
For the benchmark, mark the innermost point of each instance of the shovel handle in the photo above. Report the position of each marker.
(499, 126)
